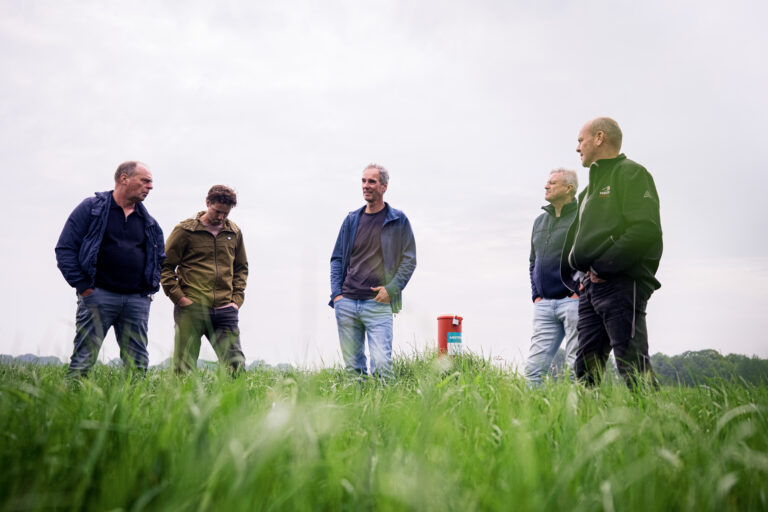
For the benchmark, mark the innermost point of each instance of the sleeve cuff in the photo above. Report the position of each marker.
(82, 286)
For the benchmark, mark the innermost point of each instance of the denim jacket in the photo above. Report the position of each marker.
(398, 248)
(78, 247)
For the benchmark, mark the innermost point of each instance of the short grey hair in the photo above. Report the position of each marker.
(383, 173)
(610, 128)
(569, 177)
(127, 168)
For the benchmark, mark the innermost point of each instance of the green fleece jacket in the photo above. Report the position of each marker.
(618, 229)
(208, 270)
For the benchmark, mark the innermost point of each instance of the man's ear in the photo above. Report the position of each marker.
(599, 137)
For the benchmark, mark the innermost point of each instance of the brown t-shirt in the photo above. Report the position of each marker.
(366, 263)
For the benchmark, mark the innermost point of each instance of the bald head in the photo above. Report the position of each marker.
(610, 128)
(600, 138)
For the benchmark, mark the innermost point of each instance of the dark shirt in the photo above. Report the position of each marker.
(366, 263)
(123, 253)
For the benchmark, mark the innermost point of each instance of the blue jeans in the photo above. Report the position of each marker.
(553, 321)
(355, 318)
(96, 313)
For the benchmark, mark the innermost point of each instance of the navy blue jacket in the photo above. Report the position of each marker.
(547, 239)
(398, 248)
(78, 247)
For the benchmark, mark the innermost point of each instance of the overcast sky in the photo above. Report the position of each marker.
(468, 104)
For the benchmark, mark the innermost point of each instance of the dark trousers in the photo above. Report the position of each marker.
(612, 317)
(220, 326)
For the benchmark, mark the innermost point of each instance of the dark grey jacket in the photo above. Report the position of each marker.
(547, 241)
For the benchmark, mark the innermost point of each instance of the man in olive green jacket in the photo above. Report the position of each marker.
(204, 274)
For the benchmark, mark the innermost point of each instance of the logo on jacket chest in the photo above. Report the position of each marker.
(605, 191)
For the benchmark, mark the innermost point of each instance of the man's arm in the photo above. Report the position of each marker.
(155, 246)
(407, 261)
(640, 210)
(337, 272)
(174, 252)
(239, 272)
(531, 264)
(68, 247)
(569, 276)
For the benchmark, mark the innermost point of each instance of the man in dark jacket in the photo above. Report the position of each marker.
(110, 251)
(555, 307)
(204, 275)
(372, 261)
(614, 248)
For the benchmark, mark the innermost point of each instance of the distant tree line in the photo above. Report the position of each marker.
(688, 369)
(695, 367)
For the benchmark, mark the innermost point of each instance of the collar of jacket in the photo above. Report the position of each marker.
(392, 213)
(137, 208)
(194, 224)
(602, 167)
(106, 199)
(605, 164)
(567, 207)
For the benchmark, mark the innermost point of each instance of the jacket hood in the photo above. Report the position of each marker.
(194, 224)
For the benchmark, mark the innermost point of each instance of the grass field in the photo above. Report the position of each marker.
(447, 435)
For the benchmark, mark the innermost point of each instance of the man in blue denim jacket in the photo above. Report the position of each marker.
(110, 252)
(372, 261)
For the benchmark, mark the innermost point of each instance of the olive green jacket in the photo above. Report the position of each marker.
(208, 270)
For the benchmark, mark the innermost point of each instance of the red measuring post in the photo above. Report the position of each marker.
(449, 335)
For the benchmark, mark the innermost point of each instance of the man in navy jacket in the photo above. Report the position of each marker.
(110, 251)
(614, 246)
(555, 307)
(372, 261)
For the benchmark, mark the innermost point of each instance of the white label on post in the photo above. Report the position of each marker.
(454, 343)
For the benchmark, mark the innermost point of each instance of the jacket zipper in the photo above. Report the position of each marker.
(216, 269)
(582, 206)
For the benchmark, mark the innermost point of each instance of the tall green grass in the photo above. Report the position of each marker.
(456, 434)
